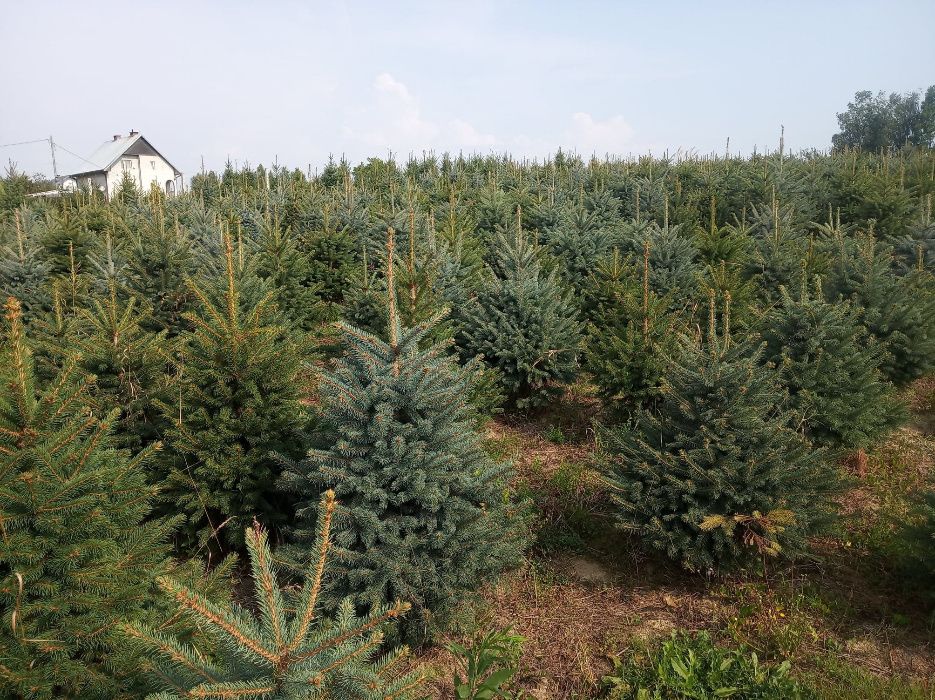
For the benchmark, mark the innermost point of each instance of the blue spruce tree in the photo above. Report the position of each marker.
(424, 512)
(524, 323)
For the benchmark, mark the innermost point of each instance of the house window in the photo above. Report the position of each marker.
(127, 165)
(170, 187)
(153, 163)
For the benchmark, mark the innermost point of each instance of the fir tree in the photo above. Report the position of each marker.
(831, 370)
(416, 282)
(24, 273)
(66, 243)
(332, 259)
(52, 335)
(365, 300)
(579, 242)
(917, 540)
(897, 310)
(780, 256)
(459, 274)
(673, 260)
(917, 250)
(524, 323)
(424, 515)
(287, 271)
(239, 399)
(715, 477)
(630, 336)
(290, 652)
(107, 264)
(75, 556)
(159, 261)
(130, 365)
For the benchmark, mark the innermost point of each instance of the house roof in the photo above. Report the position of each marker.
(110, 152)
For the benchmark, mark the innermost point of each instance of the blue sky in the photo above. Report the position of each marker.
(252, 81)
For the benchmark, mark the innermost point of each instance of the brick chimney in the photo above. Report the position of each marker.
(116, 137)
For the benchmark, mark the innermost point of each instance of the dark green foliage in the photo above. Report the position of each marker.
(579, 241)
(876, 121)
(673, 260)
(24, 273)
(123, 294)
(333, 258)
(129, 363)
(899, 311)
(715, 477)
(424, 513)
(630, 336)
(14, 186)
(159, 261)
(66, 243)
(75, 556)
(239, 391)
(524, 323)
(917, 544)
(287, 272)
(831, 370)
(365, 302)
(916, 250)
(876, 202)
(694, 667)
(289, 653)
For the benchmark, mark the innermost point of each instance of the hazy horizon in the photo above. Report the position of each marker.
(298, 81)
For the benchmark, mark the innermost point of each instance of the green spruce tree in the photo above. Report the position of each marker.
(630, 336)
(580, 242)
(75, 553)
(286, 269)
(831, 370)
(899, 311)
(289, 653)
(673, 260)
(239, 399)
(129, 362)
(715, 477)
(24, 272)
(159, 261)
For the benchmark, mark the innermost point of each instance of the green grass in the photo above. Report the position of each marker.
(835, 679)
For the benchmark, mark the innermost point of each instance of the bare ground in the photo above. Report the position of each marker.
(579, 609)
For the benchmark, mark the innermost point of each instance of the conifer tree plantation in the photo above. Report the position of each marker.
(473, 427)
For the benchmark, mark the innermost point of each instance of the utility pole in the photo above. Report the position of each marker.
(54, 165)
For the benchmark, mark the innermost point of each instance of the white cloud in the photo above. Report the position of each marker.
(465, 136)
(588, 135)
(394, 120)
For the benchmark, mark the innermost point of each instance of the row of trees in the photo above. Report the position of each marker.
(175, 370)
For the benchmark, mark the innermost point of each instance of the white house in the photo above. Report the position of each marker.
(129, 155)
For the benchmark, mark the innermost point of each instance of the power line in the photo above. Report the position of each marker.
(23, 143)
(58, 145)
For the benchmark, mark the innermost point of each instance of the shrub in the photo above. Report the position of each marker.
(694, 667)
